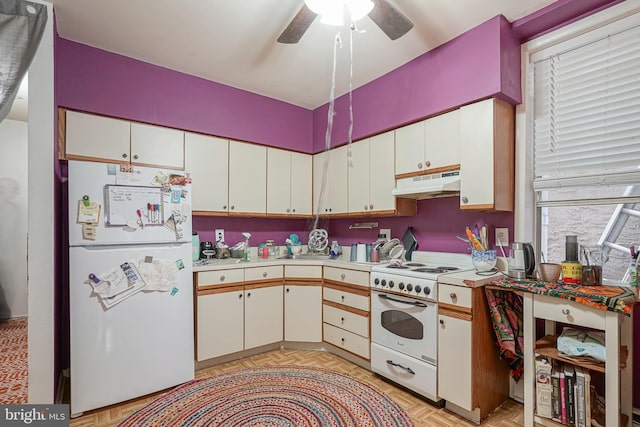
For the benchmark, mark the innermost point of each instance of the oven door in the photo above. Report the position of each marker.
(406, 325)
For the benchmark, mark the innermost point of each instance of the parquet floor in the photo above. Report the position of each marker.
(423, 414)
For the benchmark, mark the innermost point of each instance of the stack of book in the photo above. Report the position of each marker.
(563, 392)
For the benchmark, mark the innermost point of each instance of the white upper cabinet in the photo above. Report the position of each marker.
(410, 148)
(333, 199)
(487, 156)
(429, 146)
(247, 178)
(371, 174)
(91, 137)
(96, 137)
(155, 145)
(289, 176)
(442, 140)
(207, 159)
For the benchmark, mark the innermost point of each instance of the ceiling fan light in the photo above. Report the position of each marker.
(333, 16)
(316, 6)
(358, 9)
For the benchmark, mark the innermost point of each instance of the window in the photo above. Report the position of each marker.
(582, 138)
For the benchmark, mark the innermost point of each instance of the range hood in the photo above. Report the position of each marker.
(428, 186)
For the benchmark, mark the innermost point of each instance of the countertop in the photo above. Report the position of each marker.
(225, 264)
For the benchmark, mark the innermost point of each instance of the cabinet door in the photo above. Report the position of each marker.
(301, 182)
(410, 155)
(358, 170)
(321, 183)
(89, 136)
(278, 181)
(338, 180)
(381, 172)
(476, 155)
(247, 178)
(207, 159)
(262, 316)
(220, 327)
(442, 140)
(454, 361)
(303, 313)
(157, 146)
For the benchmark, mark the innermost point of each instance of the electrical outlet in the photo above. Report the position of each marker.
(502, 237)
(219, 235)
(386, 232)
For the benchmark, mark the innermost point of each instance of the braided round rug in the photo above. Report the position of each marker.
(274, 397)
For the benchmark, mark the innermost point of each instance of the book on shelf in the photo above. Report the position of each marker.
(555, 391)
(563, 396)
(580, 398)
(543, 387)
(570, 380)
(587, 398)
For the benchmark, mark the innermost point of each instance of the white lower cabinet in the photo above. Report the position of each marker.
(454, 367)
(303, 313)
(220, 323)
(262, 316)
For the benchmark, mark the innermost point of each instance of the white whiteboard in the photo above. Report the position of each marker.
(123, 201)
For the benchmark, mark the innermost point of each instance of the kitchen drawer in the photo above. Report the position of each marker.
(347, 298)
(303, 271)
(263, 273)
(346, 320)
(344, 275)
(560, 310)
(346, 340)
(454, 295)
(220, 277)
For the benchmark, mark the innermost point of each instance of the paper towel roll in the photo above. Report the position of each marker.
(362, 253)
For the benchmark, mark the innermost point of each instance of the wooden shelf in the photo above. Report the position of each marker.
(547, 346)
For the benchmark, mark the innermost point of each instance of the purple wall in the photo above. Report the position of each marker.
(482, 63)
(98, 81)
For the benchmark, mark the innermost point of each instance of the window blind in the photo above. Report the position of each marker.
(587, 113)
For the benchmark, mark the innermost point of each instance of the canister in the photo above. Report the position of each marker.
(353, 257)
(368, 251)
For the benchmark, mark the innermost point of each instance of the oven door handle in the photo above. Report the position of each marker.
(404, 368)
(416, 303)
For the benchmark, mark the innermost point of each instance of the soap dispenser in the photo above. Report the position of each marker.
(247, 254)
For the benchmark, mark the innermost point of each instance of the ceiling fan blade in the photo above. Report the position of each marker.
(390, 20)
(298, 26)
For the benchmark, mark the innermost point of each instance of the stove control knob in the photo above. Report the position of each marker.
(376, 281)
(427, 291)
(409, 287)
(401, 285)
(391, 284)
(383, 283)
(418, 289)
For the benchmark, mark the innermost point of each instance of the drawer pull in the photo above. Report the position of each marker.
(441, 322)
(264, 274)
(342, 319)
(222, 277)
(288, 289)
(565, 311)
(240, 296)
(404, 368)
(453, 295)
(342, 276)
(249, 294)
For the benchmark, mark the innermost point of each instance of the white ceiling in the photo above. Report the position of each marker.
(234, 41)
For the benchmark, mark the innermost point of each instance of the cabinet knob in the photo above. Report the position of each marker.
(342, 339)
(441, 322)
(240, 296)
(135, 157)
(342, 276)
(264, 274)
(427, 163)
(294, 209)
(420, 165)
(232, 207)
(371, 206)
(248, 294)
(342, 319)
(342, 297)
(464, 199)
(224, 208)
(565, 311)
(453, 295)
(366, 207)
(222, 277)
(288, 210)
(288, 290)
(124, 155)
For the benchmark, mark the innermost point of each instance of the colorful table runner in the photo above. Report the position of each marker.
(613, 298)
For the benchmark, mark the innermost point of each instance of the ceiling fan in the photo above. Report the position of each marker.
(384, 14)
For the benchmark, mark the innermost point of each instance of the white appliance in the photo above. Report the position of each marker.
(404, 319)
(126, 339)
(428, 186)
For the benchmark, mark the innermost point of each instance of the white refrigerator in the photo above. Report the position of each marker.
(130, 282)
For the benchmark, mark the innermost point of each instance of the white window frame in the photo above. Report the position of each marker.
(526, 219)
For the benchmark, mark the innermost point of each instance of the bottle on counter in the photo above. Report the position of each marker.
(247, 254)
(571, 267)
(195, 246)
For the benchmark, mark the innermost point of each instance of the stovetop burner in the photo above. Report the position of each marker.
(447, 268)
(430, 270)
(415, 264)
(398, 267)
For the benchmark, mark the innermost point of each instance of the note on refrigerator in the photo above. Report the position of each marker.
(158, 274)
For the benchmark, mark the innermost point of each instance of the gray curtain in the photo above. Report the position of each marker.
(21, 26)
